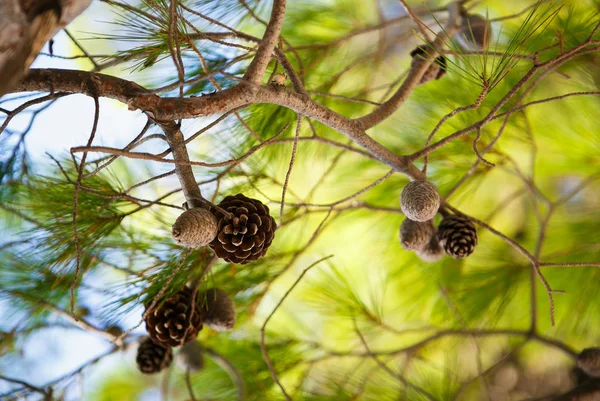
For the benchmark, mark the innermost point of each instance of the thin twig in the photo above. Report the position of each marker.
(291, 166)
(388, 370)
(423, 28)
(24, 384)
(188, 384)
(76, 205)
(263, 346)
(571, 264)
(80, 47)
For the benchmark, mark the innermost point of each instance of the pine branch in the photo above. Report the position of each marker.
(258, 66)
(46, 392)
(415, 74)
(163, 109)
(183, 169)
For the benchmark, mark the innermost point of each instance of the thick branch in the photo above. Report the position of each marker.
(263, 55)
(50, 80)
(119, 89)
(410, 83)
(184, 172)
(163, 108)
(166, 110)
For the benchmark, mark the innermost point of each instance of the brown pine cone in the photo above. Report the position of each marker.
(246, 232)
(589, 361)
(152, 358)
(415, 235)
(435, 71)
(458, 236)
(218, 310)
(476, 32)
(172, 322)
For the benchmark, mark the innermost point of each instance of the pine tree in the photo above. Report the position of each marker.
(249, 220)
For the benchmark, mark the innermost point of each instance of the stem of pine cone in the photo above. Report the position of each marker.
(184, 172)
(443, 211)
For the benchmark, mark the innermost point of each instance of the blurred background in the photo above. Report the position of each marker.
(372, 322)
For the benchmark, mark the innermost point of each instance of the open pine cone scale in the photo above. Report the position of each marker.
(245, 229)
(175, 322)
(152, 358)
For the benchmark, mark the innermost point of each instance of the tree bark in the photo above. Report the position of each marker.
(25, 26)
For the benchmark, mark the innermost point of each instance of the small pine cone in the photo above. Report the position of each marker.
(578, 376)
(191, 356)
(152, 358)
(195, 228)
(115, 331)
(476, 32)
(245, 234)
(218, 310)
(458, 236)
(589, 361)
(173, 323)
(420, 200)
(432, 252)
(415, 235)
(435, 71)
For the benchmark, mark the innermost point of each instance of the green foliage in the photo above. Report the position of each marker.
(371, 296)
(49, 201)
(491, 70)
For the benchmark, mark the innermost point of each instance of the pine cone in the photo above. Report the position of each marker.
(172, 323)
(578, 376)
(218, 310)
(152, 358)
(420, 200)
(589, 361)
(476, 32)
(246, 232)
(432, 252)
(435, 71)
(415, 235)
(458, 236)
(195, 228)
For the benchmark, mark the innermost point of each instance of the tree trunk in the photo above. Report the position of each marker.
(25, 26)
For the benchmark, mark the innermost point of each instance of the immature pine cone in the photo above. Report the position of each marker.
(246, 232)
(432, 252)
(152, 358)
(435, 71)
(172, 323)
(415, 235)
(458, 236)
(476, 32)
(218, 310)
(589, 361)
(195, 228)
(420, 200)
